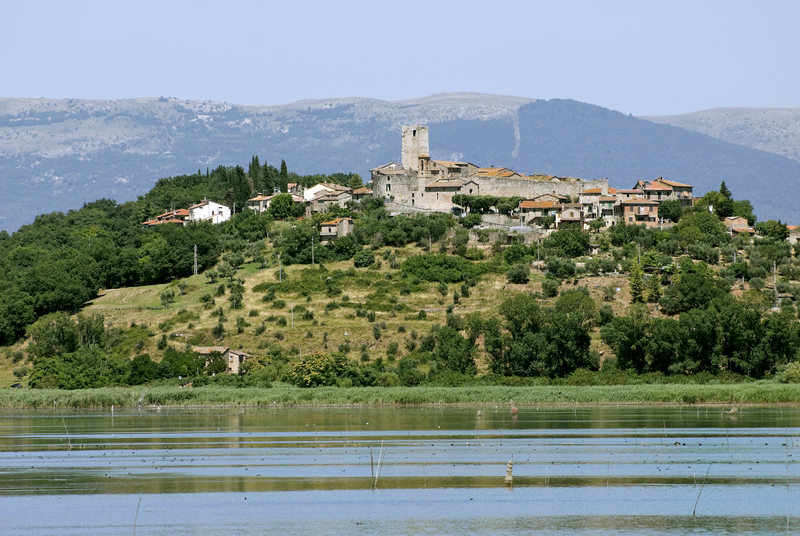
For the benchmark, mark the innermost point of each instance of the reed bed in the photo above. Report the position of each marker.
(283, 395)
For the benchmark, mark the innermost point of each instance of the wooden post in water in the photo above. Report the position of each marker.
(509, 467)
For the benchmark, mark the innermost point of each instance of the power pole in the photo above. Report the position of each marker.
(775, 283)
(195, 259)
(312, 251)
(280, 269)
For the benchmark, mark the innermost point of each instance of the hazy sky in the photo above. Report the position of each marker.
(645, 58)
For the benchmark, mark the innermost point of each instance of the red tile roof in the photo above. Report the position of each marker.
(674, 183)
(639, 202)
(537, 204)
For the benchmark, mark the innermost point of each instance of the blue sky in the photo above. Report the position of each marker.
(645, 58)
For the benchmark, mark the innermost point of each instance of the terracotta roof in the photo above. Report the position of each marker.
(793, 227)
(537, 204)
(336, 221)
(651, 185)
(362, 191)
(674, 183)
(592, 191)
(629, 191)
(607, 198)
(262, 198)
(611, 191)
(449, 163)
(639, 202)
(240, 353)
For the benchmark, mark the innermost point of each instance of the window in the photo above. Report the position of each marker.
(413, 133)
(388, 187)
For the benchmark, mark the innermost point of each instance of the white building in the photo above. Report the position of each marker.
(209, 211)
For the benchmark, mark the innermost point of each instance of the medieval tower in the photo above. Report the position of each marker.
(415, 146)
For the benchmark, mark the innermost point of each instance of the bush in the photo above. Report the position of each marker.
(363, 259)
(422, 314)
(519, 274)
(253, 312)
(605, 315)
(278, 304)
(550, 288)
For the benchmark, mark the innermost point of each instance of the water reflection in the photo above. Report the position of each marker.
(588, 470)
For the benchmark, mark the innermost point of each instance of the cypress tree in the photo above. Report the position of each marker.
(283, 178)
(636, 283)
(653, 289)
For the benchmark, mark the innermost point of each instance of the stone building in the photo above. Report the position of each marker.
(420, 183)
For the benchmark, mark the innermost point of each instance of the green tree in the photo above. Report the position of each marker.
(636, 283)
(167, 297)
(519, 274)
(653, 289)
(280, 206)
(670, 209)
(454, 351)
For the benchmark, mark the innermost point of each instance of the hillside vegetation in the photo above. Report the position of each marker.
(402, 301)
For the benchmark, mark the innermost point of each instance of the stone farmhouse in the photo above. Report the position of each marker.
(421, 184)
(233, 358)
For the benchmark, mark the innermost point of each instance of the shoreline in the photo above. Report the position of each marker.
(680, 395)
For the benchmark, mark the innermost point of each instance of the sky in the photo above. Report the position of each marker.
(638, 57)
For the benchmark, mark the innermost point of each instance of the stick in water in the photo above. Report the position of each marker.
(70, 442)
(137, 516)
(701, 491)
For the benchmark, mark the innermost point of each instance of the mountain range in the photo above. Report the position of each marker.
(56, 154)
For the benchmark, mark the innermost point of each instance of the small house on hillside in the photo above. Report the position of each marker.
(233, 358)
(638, 211)
(179, 217)
(359, 193)
(209, 211)
(335, 229)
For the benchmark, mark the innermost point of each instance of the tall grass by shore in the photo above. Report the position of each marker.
(753, 393)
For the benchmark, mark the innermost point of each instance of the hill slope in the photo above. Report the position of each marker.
(56, 154)
(775, 130)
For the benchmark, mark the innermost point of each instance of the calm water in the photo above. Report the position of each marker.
(297, 471)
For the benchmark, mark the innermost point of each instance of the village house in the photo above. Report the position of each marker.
(359, 193)
(260, 203)
(794, 234)
(336, 229)
(638, 211)
(233, 358)
(326, 199)
(569, 216)
(209, 211)
(179, 217)
(531, 212)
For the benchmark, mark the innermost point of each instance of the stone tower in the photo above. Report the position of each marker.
(415, 145)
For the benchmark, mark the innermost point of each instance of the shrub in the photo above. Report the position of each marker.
(363, 259)
(376, 331)
(279, 335)
(422, 314)
(278, 304)
(519, 274)
(550, 288)
(253, 312)
(282, 321)
(344, 348)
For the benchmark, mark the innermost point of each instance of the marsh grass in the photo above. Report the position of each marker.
(284, 395)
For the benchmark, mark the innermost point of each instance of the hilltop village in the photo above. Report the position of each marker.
(433, 273)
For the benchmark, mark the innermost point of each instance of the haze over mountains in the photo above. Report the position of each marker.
(56, 154)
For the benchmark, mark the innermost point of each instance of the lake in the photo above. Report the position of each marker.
(576, 470)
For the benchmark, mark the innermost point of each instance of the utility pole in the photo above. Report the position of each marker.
(280, 269)
(312, 251)
(195, 259)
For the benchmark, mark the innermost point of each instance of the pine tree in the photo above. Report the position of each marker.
(653, 289)
(724, 191)
(636, 283)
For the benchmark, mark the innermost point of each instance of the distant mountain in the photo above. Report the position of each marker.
(56, 154)
(775, 130)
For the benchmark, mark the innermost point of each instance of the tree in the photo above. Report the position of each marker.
(471, 220)
(670, 209)
(355, 182)
(283, 177)
(167, 297)
(280, 206)
(573, 243)
(363, 259)
(454, 351)
(653, 289)
(211, 275)
(773, 229)
(519, 274)
(636, 283)
(627, 336)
